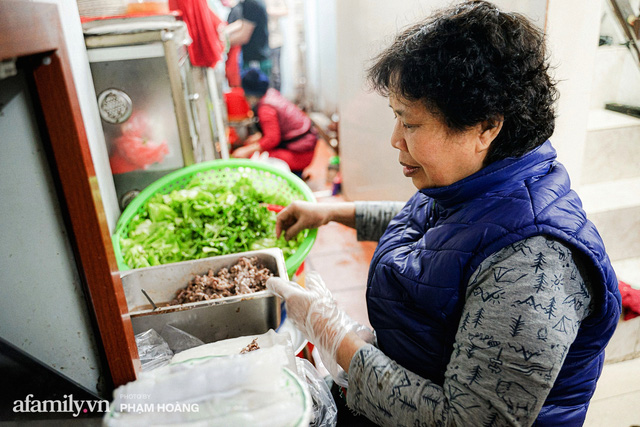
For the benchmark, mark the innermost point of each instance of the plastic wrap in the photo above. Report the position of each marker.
(325, 411)
(153, 350)
(316, 314)
(238, 390)
(179, 340)
(235, 345)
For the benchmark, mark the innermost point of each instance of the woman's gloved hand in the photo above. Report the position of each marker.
(315, 313)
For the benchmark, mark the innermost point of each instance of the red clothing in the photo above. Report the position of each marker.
(630, 300)
(207, 48)
(292, 120)
(286, 131)
(296, 161)
(271, 135)
(232, 66)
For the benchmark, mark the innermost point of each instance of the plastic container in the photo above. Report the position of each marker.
(265, 177)
(237, 107)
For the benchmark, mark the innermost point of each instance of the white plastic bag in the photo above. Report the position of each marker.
(179, 340)
(153, 350)
(254, 389)
(232, 346)
(325, 410)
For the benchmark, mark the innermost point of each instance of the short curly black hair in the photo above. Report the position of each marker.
(473, 63)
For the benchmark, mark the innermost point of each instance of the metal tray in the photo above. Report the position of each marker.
(211, 320)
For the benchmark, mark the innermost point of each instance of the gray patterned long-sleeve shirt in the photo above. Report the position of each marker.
(524, 305)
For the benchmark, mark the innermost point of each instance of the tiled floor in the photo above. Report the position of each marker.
(343, 263)
(617, 398)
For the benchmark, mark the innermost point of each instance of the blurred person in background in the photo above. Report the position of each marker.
(276, 9)
(286, 132)
(490, 292)
(248, 27)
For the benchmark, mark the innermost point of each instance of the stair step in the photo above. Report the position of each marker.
(615, 402)
(602, 119)
(612, 147)
(619, 230)
(614, 207)
(610, 195)
(628, 270)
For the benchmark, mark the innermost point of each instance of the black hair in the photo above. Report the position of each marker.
(254, 82)
(473, 63)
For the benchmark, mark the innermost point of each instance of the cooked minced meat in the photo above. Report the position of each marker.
(252, 346)
(244, 277)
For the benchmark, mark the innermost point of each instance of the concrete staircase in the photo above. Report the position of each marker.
(610, 188)
(610, 193)
(610, 181)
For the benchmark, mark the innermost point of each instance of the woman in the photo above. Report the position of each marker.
(287, 132)
(491, 294)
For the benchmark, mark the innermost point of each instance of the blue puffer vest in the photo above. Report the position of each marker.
(423, 262)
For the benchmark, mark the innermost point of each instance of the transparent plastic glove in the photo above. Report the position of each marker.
(315, 313)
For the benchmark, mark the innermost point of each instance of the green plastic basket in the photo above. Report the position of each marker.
(265, 178)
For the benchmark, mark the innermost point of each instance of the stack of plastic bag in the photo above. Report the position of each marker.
(217, 385)
(238, 390)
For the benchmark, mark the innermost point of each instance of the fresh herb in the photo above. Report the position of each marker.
(203, 220)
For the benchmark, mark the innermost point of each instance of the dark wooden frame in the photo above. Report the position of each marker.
(32, 33)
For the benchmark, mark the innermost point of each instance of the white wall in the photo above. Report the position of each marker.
(321, 56)
(573, 28)
(364, 27)
(290, 53)
(616, 77)
(368, 162)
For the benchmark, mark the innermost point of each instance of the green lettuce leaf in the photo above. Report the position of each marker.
(203, 220)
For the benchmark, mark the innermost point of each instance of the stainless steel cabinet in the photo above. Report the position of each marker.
(158, 112)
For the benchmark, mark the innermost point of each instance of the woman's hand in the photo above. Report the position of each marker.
(252, 139)
(315, 313)
(246, 151)
(300, 215)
